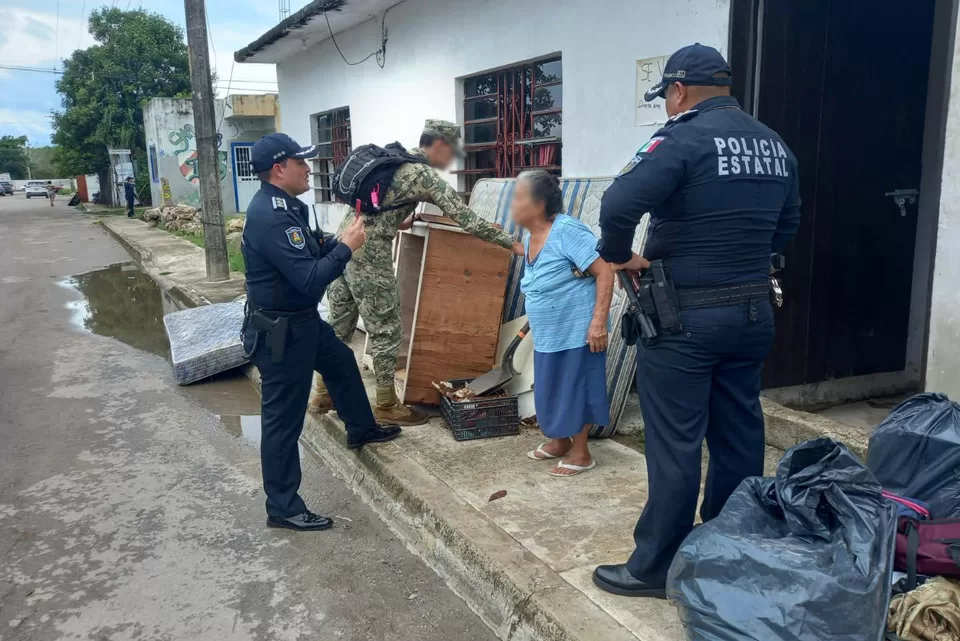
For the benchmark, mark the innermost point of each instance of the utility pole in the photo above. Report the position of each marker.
(204, 120)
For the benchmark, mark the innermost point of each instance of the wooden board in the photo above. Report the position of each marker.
(440, 220)
(458, 316)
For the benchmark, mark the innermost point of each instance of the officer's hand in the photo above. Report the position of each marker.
(635, 264)
(355, 234)
(597, 335)
(518, 248)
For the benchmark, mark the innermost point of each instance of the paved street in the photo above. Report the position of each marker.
(128, 510)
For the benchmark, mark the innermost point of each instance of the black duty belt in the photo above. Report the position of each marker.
(654, 303)
(720, 296)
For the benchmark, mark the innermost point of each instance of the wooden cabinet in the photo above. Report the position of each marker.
(451, 292)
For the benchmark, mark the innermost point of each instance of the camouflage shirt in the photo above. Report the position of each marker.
(414, 183)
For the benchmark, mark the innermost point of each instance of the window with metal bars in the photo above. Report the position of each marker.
(512, 121)
(333, 138)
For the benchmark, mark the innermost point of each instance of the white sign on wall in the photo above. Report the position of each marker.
(5, 177)
(649, 74)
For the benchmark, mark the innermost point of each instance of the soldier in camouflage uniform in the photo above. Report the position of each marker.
(368, 287)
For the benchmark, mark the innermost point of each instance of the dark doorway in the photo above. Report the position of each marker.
(845, 83)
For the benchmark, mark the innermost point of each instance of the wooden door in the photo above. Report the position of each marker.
(845, 83)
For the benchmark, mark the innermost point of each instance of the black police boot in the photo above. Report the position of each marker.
(308, 521)
(378, 434)
(617, 580)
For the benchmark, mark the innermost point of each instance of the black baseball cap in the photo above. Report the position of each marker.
(274, 148)
(694, 64)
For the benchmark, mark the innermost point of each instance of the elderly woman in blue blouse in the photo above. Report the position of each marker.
(568, 289)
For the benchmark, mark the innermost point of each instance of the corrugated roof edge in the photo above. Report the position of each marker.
(289, 24)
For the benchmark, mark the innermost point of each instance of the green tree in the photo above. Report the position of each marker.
(138, 56)
(13, 156)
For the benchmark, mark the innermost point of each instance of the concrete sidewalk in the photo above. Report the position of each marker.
(176, 264)
(522, 562)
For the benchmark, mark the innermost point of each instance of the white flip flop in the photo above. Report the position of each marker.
(532, 454)
(576, 469)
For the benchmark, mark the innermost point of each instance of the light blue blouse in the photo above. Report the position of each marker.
(559, 305)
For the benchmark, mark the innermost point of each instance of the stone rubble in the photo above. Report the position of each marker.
(180, 218)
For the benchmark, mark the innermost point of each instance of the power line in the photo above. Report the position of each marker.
(380, 53)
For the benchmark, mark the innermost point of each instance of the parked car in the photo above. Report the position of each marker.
(7, 187)
(36, 188)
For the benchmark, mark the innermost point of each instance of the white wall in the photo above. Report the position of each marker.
(434, 42)
(943, 353)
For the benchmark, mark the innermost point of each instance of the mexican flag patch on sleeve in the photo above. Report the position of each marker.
(650, 145)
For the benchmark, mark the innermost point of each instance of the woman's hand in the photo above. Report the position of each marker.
(518, 248)
(597, 336)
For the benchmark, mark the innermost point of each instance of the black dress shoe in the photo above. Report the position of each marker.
(617, 580)
(308, 521)
(379, 434)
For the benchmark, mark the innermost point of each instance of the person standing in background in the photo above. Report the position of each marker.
(52, 191)
(130, 191)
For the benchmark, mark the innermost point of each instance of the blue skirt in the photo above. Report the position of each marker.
(570, 391)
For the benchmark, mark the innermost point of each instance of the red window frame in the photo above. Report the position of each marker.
(334, 139)
(513, 121)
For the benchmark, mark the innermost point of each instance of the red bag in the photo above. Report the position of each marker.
(927, 547)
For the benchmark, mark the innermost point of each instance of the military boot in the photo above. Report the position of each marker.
(320, 401)
(389, 410)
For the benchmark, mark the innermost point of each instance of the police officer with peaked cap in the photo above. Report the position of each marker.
(288, 267)
(722, 193)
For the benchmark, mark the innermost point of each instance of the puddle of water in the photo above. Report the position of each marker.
(122, 302)
(232, 398)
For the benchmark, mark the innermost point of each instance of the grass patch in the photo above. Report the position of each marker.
(234, 257)
(121, 211)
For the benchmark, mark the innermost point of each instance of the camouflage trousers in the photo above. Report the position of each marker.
(369, 291)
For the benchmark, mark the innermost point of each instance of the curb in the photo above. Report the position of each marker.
(786, 427)
(184, 295)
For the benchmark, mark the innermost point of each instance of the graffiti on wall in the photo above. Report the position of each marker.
(184, 141)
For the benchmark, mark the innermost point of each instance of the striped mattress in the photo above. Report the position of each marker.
(581, 197)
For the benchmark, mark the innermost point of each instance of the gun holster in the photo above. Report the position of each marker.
(651, 305)
(274, 329)
(658, 286)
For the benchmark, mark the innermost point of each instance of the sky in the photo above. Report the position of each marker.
(42, 34)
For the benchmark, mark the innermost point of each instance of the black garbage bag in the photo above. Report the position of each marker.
(805, 556)
(915, 452)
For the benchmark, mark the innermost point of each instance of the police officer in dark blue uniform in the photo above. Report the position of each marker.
(288, 267)
(722, 192)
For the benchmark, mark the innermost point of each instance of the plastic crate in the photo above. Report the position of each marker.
(480, 417)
